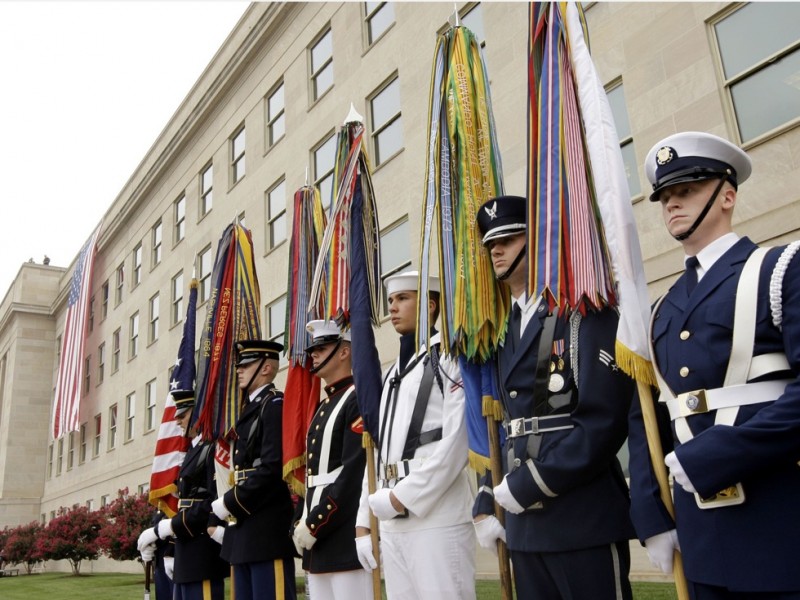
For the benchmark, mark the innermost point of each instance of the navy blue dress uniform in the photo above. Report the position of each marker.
(738, 445)
(259, 543)
(163, 584)
(565, 407)
(199, 571)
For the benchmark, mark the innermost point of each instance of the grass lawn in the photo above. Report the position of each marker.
(120, 586)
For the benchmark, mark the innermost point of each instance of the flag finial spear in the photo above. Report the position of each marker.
(306, 175)
(456, 22)
(353, 116)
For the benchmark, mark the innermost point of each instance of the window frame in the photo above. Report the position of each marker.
(206, 198)
(314, 74)
(130, 416)
(133, 337)
(238, 159)
(204, 279)
(327, 203)
(154, 307)
(179, 216)
(367, 19)
(156, 243)
(377, 130)
(176, 302)
(280, 115)
(137, 259)
(151, 403)
(112, 426)
(282, 216)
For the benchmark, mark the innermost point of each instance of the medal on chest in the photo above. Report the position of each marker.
(557, 378)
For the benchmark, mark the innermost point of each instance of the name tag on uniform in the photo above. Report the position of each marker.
(730, 496)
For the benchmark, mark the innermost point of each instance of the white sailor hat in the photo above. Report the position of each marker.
(694, 156)
(325, 332)
(408, 282)
(501, 217)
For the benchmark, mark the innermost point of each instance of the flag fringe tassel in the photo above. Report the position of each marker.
(634, 364)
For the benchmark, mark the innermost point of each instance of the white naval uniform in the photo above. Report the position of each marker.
(431, 553)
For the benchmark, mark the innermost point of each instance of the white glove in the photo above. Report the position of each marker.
(364, 552)
(678, 474)
(503, 496)
(165, 528)
(148, 553)
(661, 549)
(218, 535)
(169, 566)
(303, 540)
(488, 531)
(219, 508)
(381, 504)
(147, 538)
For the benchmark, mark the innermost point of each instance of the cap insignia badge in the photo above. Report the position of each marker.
(492, 212)
(664, 155)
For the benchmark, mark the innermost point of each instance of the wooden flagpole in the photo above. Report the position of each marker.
(372, 485)
(496, 466)
(660, 470)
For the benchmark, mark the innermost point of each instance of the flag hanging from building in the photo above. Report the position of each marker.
(301, 392)
(172, 444)
(66, 404)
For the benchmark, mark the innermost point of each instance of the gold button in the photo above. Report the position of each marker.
(311, 454)
(313, 440)
(329, 506)
(327, 400)
(310, 472)
(319, 517)
(322, 413)
(684, 371)
(685, 335)
(317, 427)
(313, 526)
(512, 394)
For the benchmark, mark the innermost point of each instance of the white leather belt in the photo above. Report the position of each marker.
(537, 425)
(313, 481)
(703, 401)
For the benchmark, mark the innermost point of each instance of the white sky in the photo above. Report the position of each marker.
(85, 89)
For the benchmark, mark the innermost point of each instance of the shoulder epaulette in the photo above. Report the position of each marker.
(776, 283)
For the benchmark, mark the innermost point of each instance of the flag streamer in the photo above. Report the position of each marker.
(301, 392)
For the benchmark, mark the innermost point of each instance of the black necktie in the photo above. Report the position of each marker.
(691, 274)
(514, 324)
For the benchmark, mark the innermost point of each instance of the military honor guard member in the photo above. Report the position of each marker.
(335, 460)
(566, 405)
(726, 347)
(199, 572)
(257, 542)
(155, 550)
(424, 497)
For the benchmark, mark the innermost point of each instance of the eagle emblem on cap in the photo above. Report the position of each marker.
(492, 212)
(665, 154)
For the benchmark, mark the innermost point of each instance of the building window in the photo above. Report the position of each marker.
(50, 462)
(378, 17)
(137, 265)
(104, 299)
(619, 109)
(87, 374)
(473, 20)
(276, 214)
(150, 408)
(91, 313)
(177, 298)
(387, 127)
(97, 432)
(759, 47)
(237, 155)
(276, 323)
(133, 341)
(116, 338)
(206, 189)
(82, 445)
(276, 117)
(130, 414)
(395, 253)
(120, 282)
(153, 329)
(101, 363)
(112, 427)
(204, 269)
(60, 456)
(143, 488)
(70, 450)
(155, 239)
(180, 218)
(322, 65)
(90, 504)
(104, 500)
(324, 158)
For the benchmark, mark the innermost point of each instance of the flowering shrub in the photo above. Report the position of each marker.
(71, 536)
(125, 519)
(20, 545)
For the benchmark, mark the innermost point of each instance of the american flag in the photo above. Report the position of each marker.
(171, 444)
(66, 404)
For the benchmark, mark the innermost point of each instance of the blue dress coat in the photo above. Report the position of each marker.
(752, 546)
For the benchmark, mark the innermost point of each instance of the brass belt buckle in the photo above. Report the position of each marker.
(391, 471)
(693, 403)
(730, 496)
(517, 427)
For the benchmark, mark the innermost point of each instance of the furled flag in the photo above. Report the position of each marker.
(347, 274)
(66, 405)
(171, 444)
(301, 392)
